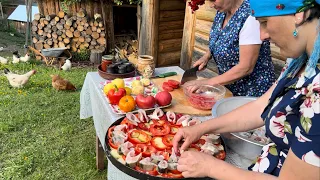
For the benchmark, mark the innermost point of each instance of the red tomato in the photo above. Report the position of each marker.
(154, 172)
(221, 155)
(144, 126)
(167, 140)
(160, 129)
(157, 143)
(145, 102)
(166, 87)
(174, 129)
(163, 98)
(146, 150)
(112, 145)
(138, 137)
(174, 83)
(110, 132)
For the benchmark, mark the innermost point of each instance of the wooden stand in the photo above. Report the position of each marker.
(99, 155)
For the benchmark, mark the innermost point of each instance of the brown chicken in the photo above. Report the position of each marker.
(61, 84)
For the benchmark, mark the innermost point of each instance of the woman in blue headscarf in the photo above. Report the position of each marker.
(290, 109)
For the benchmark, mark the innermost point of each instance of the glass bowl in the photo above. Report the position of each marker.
(205, 96)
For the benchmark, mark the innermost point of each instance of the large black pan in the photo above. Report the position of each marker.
(132, 172)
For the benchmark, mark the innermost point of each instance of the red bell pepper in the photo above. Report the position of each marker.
(146, 150)
(160, 129)
(138, 137)
(114, 95)
(167, 140)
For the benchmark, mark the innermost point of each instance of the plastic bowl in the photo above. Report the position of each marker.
(205, 96)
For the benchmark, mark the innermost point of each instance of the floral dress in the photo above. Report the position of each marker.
(292, 121)
(224, 47)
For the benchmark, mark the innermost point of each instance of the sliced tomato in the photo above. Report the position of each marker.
(200, 142)
(128, 123)
(138, 137)
(174, 84)
(172, 175)
(157, 143)
(146, 150)
(167, 140)
(144, 126)
(153, 172)
(175, 171)
(221, 155)
(166, 87)
(158, 129)
(174, 129)
(110, 132)
(112, 144)
(165, 154)
(194, 147)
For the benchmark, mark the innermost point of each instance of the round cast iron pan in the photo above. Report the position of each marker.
(134, 173)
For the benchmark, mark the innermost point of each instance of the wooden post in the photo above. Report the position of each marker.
(99, 155)
(109, 25)
(187, 39)
(148, 40)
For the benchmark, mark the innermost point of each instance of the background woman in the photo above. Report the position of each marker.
(290, 110)
(243, 60)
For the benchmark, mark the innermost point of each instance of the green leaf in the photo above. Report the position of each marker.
(306, 123)
(273, 151)
(287, 127)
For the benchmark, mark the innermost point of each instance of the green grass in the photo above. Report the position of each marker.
(41, 134)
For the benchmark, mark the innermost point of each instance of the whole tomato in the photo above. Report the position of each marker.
(163, 98)
(145, 102)
(114, 95)
(127, 103)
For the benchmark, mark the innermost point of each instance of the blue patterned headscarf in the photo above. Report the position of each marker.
(267, 8)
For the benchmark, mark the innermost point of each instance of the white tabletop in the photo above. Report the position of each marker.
(93, 103)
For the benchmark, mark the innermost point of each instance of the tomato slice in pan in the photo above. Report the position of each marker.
(146, 150)
(194, 147)
(158, 129)
(175, 171)
(144, 126)
(128, 123)
(153, 172)
(157, 143)
(172, 175)
(167, 140)
(138, 137)
(221, 155)
(174, 129)
(165, 154)
(200, 142)
(112, 144)
(110, 132)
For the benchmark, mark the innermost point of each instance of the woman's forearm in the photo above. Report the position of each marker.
(223, 170)
(244, 118)
(234, 74)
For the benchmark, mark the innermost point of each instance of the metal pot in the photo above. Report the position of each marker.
(243, 146)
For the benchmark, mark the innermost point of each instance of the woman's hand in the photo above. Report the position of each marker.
(192, 86)
(189, 135)
(195, 164)
(202, 62)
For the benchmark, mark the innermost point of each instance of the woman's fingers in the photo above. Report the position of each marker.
(185, 144)
(175, 142)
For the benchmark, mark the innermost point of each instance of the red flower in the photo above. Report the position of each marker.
(280, 6)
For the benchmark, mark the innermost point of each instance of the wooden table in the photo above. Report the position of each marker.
(94, 104)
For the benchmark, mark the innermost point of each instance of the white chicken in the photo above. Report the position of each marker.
(15, 59)
(3, 60)
(1, 48)
(67, 65)
(17, 80)
(25, 58)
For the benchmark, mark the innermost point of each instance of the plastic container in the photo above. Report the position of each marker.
(205, 96)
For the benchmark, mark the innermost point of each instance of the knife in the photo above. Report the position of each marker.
(163, 75)
(190, 74)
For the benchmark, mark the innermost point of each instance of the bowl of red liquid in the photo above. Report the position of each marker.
(205, 96)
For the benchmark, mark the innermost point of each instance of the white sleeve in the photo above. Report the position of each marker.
(250, 32)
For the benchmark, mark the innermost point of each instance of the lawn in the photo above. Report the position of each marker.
(41, 134)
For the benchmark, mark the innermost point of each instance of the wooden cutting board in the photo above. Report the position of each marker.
(179, 102)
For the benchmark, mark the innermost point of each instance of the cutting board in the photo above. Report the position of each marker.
(179, 102)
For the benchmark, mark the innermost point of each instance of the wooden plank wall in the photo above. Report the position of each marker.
(171, 22)
(201, 22)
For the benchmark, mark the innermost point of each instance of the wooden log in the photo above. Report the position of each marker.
(45, 22)
(55, 45)
(61, 44)
(67, 27)
(49, 17)
(55, 41)
(86, 25)
(40, 32)
(61, 14)
(66, 17)
(170, 34)
(66, 40)
(50, 42)
(95, 23)
(206, 15)
(86, 45)
(169, 58)
(49, 26)
(169, 5)
(68, 46)
(88, 39)
(94, 29)
(59, 33)
(88, 31)
(54, 28)
(203, 26)
(38, 46)
(100, 24)
(53, 22)
(102, 41)
(62, 21)
(37, 16)
(170, 45)
(57, 19)
(91, 47)
(76, 33)
(163, 26)
(46, 46)
(34, 40)
(98, 30)
(41, 39)
(75, 25)
(81, 39)
(69, 22)
(102, 34)
(71, 29)
(82, 47)
(81, 13)
(172, 15)
(96, 56)
(60, 38)
(49, 35)
(59, 26)
(83, 33)
(95, 35)
(40, 26)
(80, 28)
(75, 39)
(35, 22)
(44, 34)
(34, 28)
(93, 42)
(69, 34)
(63, 36)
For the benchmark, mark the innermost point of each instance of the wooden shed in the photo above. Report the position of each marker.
(195, 41)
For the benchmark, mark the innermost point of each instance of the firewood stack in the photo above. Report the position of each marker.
(76, 32)
(126, 47)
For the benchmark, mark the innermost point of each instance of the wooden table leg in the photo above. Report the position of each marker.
(99, 155)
